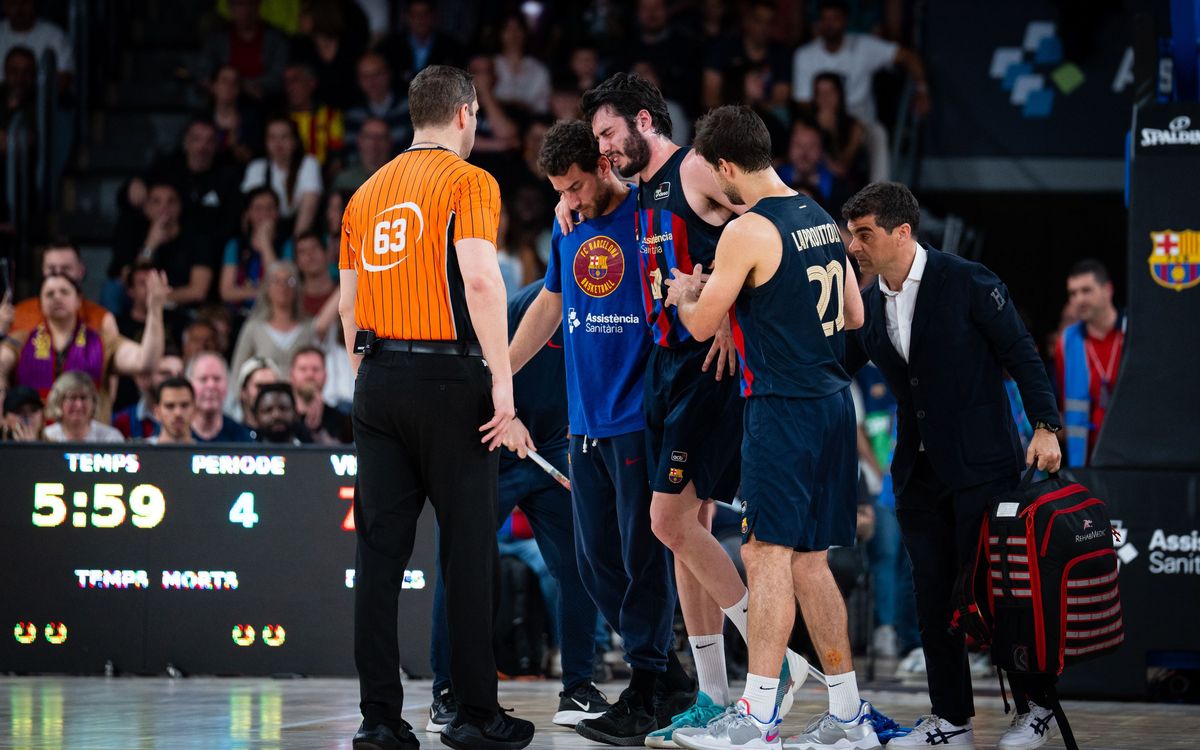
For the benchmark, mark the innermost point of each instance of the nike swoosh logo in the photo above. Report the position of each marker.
(831, 685)
(745, 610)
(705, 646)
(631, 462)
(760, 687)
(553, 345)
(584, 706)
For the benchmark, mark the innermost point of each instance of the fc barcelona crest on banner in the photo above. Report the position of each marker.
(1175, 258)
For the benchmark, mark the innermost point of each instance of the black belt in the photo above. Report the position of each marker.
(461, 349)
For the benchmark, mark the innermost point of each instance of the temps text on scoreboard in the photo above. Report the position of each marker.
(220, 560)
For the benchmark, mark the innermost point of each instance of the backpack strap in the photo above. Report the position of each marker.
(1064, 726)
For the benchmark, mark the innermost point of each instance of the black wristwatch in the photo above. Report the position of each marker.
(1040, 425)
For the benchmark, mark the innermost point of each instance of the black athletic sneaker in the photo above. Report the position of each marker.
(442, 711)
(670, 702)
(383, 737)
(584, 701)
(501, 732)
(626, 723)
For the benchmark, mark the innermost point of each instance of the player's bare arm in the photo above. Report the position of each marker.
(856, 315)
(540, 322)
(704, 195)
(746, 245)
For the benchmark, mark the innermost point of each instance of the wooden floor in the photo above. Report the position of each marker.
(130, 713)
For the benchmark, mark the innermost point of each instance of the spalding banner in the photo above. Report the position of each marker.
(1154, 422)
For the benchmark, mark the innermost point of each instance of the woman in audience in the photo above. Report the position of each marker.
(278, 326)
(520, 79)
(317, 287)
(294, 175)
(239, 127)
(842, 136)
(62, 342)
(261, 243)
(335, 206)
(73, 401)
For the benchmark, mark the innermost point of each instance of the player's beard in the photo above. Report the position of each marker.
(731, 192)
(597, 206)
(637, 154)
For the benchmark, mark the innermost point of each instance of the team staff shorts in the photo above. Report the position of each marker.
(800, 471)
(693, 424)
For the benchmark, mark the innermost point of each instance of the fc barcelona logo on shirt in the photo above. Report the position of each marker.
(599, 266)
(675, 475)
(1175, 258)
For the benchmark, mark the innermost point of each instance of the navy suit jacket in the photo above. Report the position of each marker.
(950, 394)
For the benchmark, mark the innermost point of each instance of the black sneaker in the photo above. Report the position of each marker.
(584, 701)
(383, 737)
(501, 732)
(442, 711)
(669, 702)
(626, 723)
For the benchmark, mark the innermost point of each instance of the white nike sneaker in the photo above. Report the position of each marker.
(736, 729)
(828, 731)
(1030, 730)
(934, 731)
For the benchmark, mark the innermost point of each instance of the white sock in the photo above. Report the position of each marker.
(737, 614)
(760, 697)
(708, 652)
(843, 695)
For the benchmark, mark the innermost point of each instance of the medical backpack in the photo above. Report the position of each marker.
(1042, 590)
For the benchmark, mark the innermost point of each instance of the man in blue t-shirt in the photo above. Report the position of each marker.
(592, 289)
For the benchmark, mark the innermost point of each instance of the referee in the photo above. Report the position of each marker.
(423, 307)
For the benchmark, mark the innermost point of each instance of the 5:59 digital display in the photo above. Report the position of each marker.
(107, 501)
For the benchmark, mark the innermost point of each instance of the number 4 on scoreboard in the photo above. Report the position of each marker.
(243, 511)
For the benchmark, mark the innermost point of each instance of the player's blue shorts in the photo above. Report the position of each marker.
(693, 423)
(800, 471)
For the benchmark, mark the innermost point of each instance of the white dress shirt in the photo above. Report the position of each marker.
(899, 305)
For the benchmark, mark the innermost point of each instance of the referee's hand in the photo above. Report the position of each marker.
(502, 402)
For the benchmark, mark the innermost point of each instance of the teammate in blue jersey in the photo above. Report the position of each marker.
(592, 290)
(783, 265)
(693, 413)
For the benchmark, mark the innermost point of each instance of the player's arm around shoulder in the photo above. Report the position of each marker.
(703, 193)
(748, 246)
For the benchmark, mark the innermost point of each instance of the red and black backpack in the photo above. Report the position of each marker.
(1042, 590)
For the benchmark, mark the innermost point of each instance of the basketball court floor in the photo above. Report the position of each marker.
(213, 713)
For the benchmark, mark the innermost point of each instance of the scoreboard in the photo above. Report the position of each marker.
(216, 560)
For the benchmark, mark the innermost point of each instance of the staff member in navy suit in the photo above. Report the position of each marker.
(943, 330)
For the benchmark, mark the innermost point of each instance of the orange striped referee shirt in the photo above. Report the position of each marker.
(398, 234)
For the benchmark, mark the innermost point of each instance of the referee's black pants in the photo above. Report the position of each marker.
(416, 426)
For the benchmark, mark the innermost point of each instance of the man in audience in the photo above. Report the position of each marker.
(24, 415)
(199, 336)
(379, 101)
(61, 257)
(1087, 357)
(674, 54)
(255, 49)
(183, 255)
(132, 321)
(327, 425)
(208, 187)
(856, 58)
(253, 375)
(731, 59)
(408, 52)
(275, 415)
(807, 170)
(374, 148)
(22, 28)
(321, 127)
(18, 93)
(175, 409)
(140, 420)
(209, 376)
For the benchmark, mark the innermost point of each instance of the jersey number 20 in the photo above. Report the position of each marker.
(832, 279)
